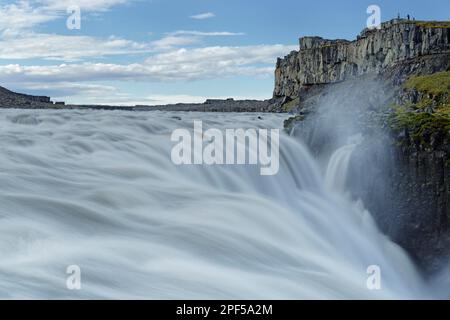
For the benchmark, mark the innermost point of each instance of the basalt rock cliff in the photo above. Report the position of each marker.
(321, 61)
(18, 100)
(392, 86)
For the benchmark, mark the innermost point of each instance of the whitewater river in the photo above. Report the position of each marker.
(98, 190)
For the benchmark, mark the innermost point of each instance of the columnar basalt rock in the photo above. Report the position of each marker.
(326, 61)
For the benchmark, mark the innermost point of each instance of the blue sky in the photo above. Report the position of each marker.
(165, 51)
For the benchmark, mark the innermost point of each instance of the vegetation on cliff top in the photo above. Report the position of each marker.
(427, 120)
(433, 24)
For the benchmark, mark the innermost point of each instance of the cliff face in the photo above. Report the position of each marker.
(11, 99)
(392, 86)
(325, 61)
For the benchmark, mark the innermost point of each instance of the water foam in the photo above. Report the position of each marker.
(98, 190)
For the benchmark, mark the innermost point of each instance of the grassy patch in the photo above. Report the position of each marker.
(433, 24)
(435, 84)
(426, 128)
(290, 105)
(422, 127)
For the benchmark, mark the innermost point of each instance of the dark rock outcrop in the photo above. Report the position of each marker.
(9, 99)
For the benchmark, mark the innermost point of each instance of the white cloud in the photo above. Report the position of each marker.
(85, 5)
(29, 45)
(60, 90)
(182, 38)
(203, 16)
(176, 65)
(218, 61)
(18, 41)
(27, 14)
(68, 48)
(206, 34)
(170, 42)
(21, 15)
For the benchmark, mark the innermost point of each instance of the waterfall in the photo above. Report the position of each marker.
(98, 190)
(336, 174)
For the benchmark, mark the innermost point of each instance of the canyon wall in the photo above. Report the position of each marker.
(325, 61)
(11, 99)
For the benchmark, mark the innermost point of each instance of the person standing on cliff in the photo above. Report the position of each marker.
(408, 16)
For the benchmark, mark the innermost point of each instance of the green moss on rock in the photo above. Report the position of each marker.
(433, 24)
(289, 123)
(426, 122)
(288, 106)
(436, 84)
(422, 127)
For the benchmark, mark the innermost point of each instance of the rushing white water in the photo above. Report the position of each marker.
(98, 190)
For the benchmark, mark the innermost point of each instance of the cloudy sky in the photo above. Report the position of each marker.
(167, 51)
